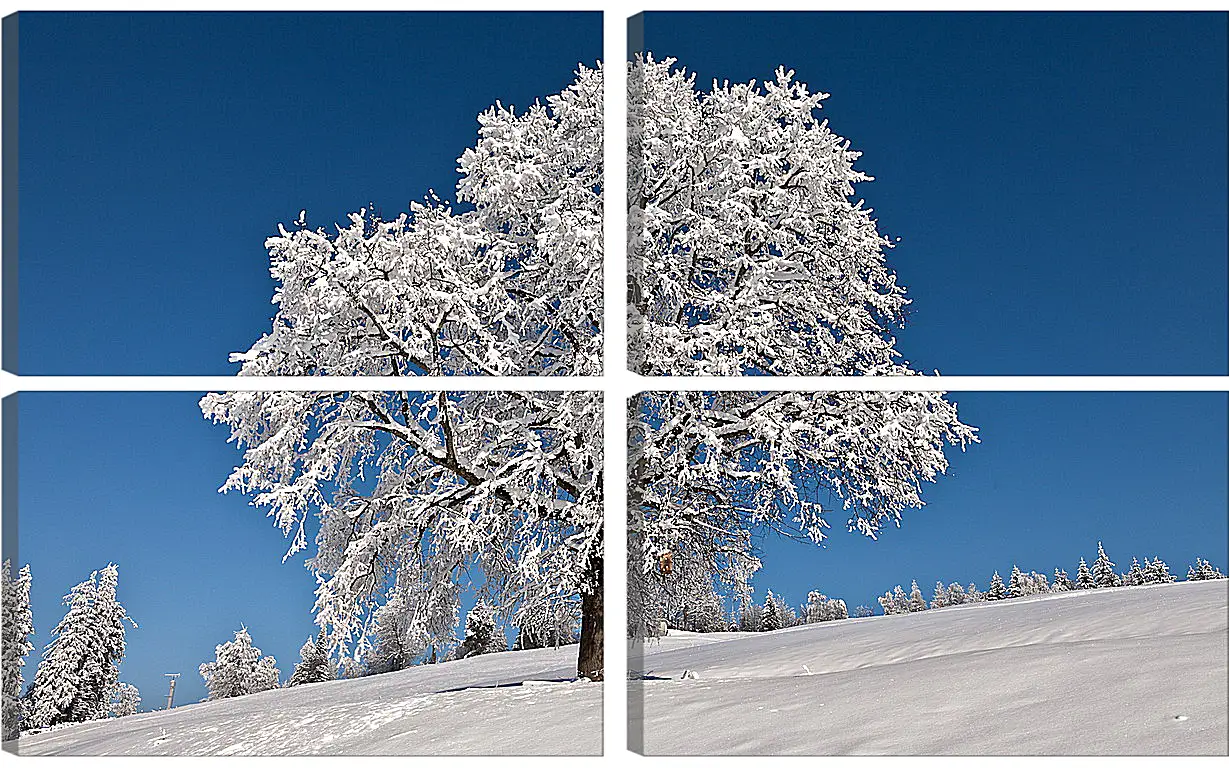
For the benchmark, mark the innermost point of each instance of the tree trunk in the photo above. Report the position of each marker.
(591, 662)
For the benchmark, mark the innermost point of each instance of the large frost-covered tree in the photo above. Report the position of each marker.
(415, 491)
(748, 252)
(709, 471)
(510, 286)
(18, 625)
(79, 672)
(238, 669)
(412, 489)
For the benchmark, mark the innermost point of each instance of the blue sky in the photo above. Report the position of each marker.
(158, 151)
(1055, 473)
(1059, 181)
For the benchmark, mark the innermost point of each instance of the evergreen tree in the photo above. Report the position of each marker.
(1103, 570)
(1203, 571)
(125, 700)
(481, 634)
(973, 594)
(1083, 577)
(314, 664)
(80, 666)
(752, 618)
(941, 597)
(916, 601)
(18, 625)
(772, 618)
(900, 601)
(816, 610)
(239, 669)
(863, 611)
(956, 594)
(837, 610)
(1135, 576)
(1016, 586)
(997, 591)
(1062, 582)
(395, 646)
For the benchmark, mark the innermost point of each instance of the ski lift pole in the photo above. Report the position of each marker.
(170, 696)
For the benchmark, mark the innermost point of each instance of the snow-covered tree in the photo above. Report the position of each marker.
(710, 469)
(481, 634)
(997, 591)
(1015, 587)
(956, 594)
(314, 665)
(773, 620)
(239, 669)
(973, 594)
(80, 667)
(1062, 583)
(1203, 570)
(917, 601)
(125, 700)
(1103, 570)
(862, 612)
(18, 625)
(748, 251)
(1084, 578)
(553, 626)
(1156, 571)
(817, 607)
(505, 483)
(941, 598)
(508, 483)
(1135, 576)
(752, 618)
(511, 287)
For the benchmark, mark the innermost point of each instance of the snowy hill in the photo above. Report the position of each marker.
(519, 702)
(1139, 670)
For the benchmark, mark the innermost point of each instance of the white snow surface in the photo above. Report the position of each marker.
(1128, 671)
(513, 703)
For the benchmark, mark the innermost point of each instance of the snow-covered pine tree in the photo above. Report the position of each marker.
(314, 665)
(752, 618)
(1084, 578)
(508, 483)
(1156, 571)
(997, 590)
(837, 610)
(887, 603)
(956, 594)
(941, 598)
(125, 700)
(1062, 583)
(481, 634)
(816, 607)
(1103, 570)
(973, 594)
(80, 666)
(1135, 576)
(1016, 587)
(900, 600)
(1203, 570)
(772, 617)
(239, 669)
(917, 602)
(18, 625)
(862, 612)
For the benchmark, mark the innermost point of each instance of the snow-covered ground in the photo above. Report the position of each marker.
(1139, 670)
(514, 703)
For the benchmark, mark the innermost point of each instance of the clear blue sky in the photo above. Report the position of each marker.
(1059, 181)
(158, 151)
(1055, 473)
(132, 478)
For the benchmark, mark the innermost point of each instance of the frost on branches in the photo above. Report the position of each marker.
(512, 285)
(79, 673)
(18, 625)
(239, 669)
(747, 251)
(709, 471)
(410, 494)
